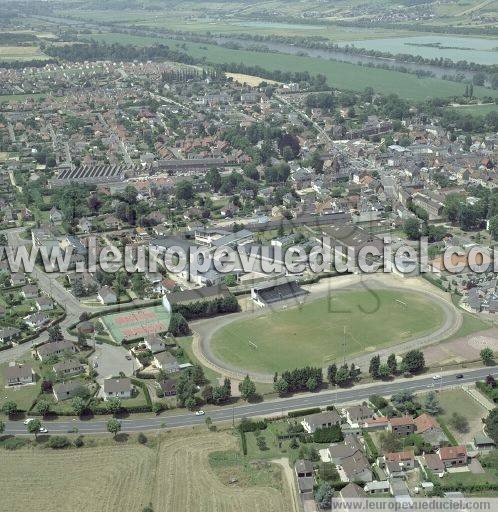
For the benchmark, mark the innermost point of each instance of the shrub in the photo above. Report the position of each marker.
(304, 412)
(142, 438)
(58, 442)
(78, 442)
(328, 435)
(13, 443)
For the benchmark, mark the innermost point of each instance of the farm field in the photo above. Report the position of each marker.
(9, 53)
(175, 474)
(339, 74)
(476, 110)
(312, 334)
(136, 323)
(472, 49)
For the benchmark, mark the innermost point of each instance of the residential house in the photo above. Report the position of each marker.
(68, 368)
(107, 296)
(377, 487)
(36, 320)
(428, 427)
(55, 215)
(379, 423)
(351, 491)
(18, 375)
(483, 442)
(434, 463)
(166, 362)
(397, 463)
(403, 426)
(44, 304)
(18, 279)
(68, 390)
(117, 388)
(358, 414)
(154, 343)
(325, 419)
(168, 387)
(29, 291)
(340, 451)
(56, 349)
(453, 456)
(304, 475)
(9, 334)
(356, 468)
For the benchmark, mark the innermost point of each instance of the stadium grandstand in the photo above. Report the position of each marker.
(284, 288)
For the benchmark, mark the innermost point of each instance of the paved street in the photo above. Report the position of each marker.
(279, 406)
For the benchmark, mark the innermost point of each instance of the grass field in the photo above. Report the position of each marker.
(173, 474)
(339, 74)
(136, 323)
(313, 333)
(457, 400)
(476, 110)
(9, 53)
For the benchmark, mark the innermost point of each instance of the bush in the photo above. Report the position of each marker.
(78, 442)
(142, 438)
(13, 443)
(304, 412)
(58, 442)
(328, 435)
(251, 426)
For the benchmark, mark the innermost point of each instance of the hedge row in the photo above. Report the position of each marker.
(304, 412)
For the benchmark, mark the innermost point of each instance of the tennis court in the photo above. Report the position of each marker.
(137, 323)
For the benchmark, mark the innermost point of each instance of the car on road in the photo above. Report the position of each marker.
(199, 413)
(436, 377)
(95, 364)
(27, 420)
(459, 376)
(127, 356)
(43, 430)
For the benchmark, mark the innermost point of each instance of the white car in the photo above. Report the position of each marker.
(43, 430)
(27, 420)
(199, 413)
(436, 377)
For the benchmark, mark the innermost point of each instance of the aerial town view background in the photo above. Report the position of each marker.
(247, 255)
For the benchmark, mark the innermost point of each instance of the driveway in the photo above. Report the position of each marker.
(111, 360)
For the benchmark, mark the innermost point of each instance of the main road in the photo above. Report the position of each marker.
(274, 407)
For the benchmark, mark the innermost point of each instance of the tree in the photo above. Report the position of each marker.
(247, 388)
(9, 408)
(411, 227)
(43, 407)
(493, 227)
(55, 333)
(487, 355)
(113, 426)
(343, 375)
(479, 78)
(34, 426)
(261, 442)
(178, 326)
(281, 386)
(491, 423)
(459, 422)
(392, 363)
(431, 404)
(374, 366)
(384, 371)
(184, 190)
(323, 495)
(78, 405)
(389, 442)
(413, 361)
(312, 384)
(2, 427)
(331, 373)
(138, 285)
(113, 405)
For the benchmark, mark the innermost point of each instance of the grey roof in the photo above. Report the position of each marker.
(321, 418)
(69, 364)
(303, 466)
(481, 438)
(353, 490)
(18, 371)
(56, 346)
(199, 294)
(232, 238)
(117, 385)
(67, 387)
(166, 359)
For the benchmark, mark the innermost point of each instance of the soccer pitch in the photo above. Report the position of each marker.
(137, 323)
(313, 334)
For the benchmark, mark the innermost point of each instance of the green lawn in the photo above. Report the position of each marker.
(457, 400)
(469, 478)
(339, 74)
(476, 110)
(312, 334)
(23, 396)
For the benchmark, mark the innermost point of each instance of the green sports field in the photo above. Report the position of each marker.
(312, 334)
(137, 323)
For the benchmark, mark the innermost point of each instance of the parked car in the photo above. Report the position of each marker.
(27, 420)
(436, 377)
(199, 413)
(459, 376)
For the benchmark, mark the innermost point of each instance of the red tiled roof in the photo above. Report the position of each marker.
(452, 452)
